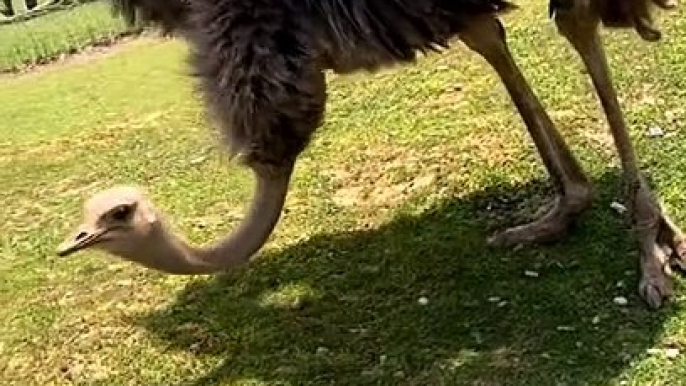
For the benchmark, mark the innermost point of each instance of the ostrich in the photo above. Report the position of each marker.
(260, 66)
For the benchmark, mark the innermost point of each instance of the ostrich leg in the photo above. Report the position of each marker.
(486, 36)
(659, 239)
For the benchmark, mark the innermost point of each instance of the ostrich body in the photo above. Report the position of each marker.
(260, 65)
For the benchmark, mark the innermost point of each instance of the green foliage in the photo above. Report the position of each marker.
(13, 11)
(43, 38)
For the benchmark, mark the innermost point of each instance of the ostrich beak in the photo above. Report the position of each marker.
(83, 238)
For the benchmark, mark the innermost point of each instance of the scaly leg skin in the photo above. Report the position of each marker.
(661, 244)
(486, 36)
(660, 241)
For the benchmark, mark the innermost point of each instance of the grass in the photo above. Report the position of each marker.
(391, 202)
(47, 37)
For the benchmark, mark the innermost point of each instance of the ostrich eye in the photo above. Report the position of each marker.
(121, 213)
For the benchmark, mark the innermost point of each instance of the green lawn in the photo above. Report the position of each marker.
(47, 37)
(391, 202)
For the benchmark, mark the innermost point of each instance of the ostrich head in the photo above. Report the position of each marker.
(116, 220)
(123, 222)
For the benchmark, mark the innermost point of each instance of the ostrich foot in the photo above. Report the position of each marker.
(549, 226)
(662, 246)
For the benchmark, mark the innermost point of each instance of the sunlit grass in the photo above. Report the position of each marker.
(378, 272)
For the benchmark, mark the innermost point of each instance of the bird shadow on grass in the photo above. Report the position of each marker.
(422, 301)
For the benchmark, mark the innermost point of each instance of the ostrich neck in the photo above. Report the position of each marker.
(171, 254)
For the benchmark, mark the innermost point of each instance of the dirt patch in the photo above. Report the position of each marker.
(96, 51)
(385, 176)
(381, 178)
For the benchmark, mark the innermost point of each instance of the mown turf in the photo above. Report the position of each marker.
(391, 203)
(47, 37)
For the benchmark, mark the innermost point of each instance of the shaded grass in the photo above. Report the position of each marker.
(48, 37)
(414, 167)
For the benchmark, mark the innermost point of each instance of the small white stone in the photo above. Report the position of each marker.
(620, 301)
(530, 273)
(596, 319)
(502, 304)
(322, 350)
(494, 299)
(655, 131)
(198, 160)
(672, 353)
(423, 301)
(618, 207)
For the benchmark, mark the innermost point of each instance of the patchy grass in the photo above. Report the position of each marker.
(56, 34)
(413, 169)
